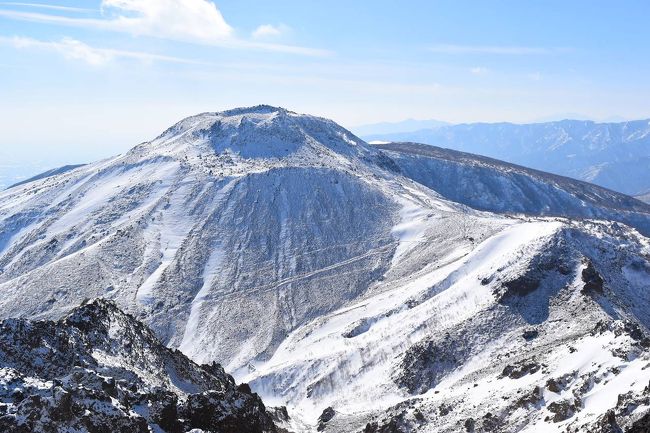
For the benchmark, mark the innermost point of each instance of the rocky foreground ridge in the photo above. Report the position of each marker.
(100, 370)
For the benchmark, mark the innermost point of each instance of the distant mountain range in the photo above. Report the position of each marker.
(612, 155)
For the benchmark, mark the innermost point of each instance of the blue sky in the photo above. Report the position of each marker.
(86, 79)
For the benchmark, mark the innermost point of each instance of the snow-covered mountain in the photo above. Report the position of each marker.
(613, 155)
(492, 185)
(365, 288)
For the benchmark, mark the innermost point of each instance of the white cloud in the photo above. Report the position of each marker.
(266, 31)
(76, 50)
(194, 21)
(174, 19)
(69, 48)
(493, 49)
(479, 70)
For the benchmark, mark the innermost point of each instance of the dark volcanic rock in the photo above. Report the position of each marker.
(608, 424)
(554, 261)
(99, 370)
(592, 279)
(559, 384)
(325, 417)
(532, 399)
(425, 364)
(634, 331)
(530, 334)
(393, 422)
(520, 286)
(490, 423)
(562, 410)
(642, 425)
(390, 426)
(521, 369)
(222, 412)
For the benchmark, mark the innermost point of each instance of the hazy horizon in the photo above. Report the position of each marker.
(82, 80)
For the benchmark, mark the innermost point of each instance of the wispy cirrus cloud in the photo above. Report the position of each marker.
(495, 49)
(193, 21)
(76, 50)
(47, 6)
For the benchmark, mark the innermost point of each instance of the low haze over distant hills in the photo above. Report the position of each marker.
(398, 127)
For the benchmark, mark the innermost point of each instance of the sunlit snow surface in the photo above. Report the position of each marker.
(359, 367)
(319, 269)
(320, 365)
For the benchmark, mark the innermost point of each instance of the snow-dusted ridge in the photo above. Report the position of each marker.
(328, 272)
(612, 155)
(511, 188)
(99, 369)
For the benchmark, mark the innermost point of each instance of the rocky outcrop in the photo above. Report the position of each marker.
(325, 417)
(520, 369)
(593, 282)
(100, 370)
(425, 363)
(642, 425)
(562, 410)
(554, 263)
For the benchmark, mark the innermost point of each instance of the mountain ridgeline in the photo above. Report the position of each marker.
(100, 370)
(367, 288)
(612, 155)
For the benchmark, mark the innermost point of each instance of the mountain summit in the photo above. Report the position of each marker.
(262, 131)
(366, 288)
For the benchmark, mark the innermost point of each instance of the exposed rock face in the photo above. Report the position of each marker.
(554, 263)
(520, 370)
(100, 370)
(392, 425)
(592, 279)
(424, 364)
(530, 334)
(562, 410)
(531, 399)
(608, 424)
(325, 417)
(642, 425)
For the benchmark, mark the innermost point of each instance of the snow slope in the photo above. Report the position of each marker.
(330, 273)
(431, 352)
(259, 208)
(492, 185)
